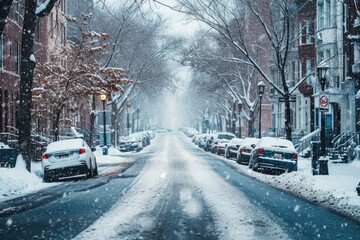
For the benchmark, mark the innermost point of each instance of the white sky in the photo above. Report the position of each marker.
(179, 25)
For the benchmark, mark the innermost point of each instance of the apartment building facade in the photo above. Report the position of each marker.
(50, 33)
(327, 30)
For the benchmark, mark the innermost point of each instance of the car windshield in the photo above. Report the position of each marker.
(225, 136)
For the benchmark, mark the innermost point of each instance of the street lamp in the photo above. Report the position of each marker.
(128, 105)
(234, 117)
(240, 109)
(103, 98)
(322, 68)
(261, 89)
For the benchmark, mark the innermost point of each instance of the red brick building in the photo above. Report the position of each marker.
(48, 30)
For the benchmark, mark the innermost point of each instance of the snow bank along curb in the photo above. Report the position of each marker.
(303, 185)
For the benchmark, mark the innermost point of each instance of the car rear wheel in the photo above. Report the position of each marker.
(255, 167)
(96, 170)
(90, 173)
(227, 155)
(238, 159)
(47, 178)
(250, 164)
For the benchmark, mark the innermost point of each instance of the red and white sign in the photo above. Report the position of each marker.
(323, 101)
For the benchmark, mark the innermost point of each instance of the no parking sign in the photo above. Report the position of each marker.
(324, 101)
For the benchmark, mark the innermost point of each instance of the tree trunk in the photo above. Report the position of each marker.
(26, 76)
(288, 127)
(26, 81)
(220, 122)
(57, 125)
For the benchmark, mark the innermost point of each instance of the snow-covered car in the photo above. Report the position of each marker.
(71, 158)
(232, 147)
(131, 143)
(245, 149)
(208, 142)
(202, 141)
(144, 136)
(219, 142)
(196, 138)
(274, 153)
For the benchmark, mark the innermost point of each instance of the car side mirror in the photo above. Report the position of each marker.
(253, 145)
(93, 149)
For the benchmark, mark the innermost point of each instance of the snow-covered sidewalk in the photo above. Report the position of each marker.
(336, 191)
(18, 181)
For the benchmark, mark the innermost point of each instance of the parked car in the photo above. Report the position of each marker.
(232, 147)
(274, 153)
(196, 138)
(203, 141)
(208, 142)
(145, 136)
(220, 140)
(245, 149)
(71, 158)
(131, 143)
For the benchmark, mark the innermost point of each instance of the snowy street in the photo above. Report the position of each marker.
(172, 191)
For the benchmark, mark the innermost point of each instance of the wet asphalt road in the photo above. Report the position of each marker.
(66, 210)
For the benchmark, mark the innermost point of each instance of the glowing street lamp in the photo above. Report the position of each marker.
(322, 68)
(103, 98)
(261, 90)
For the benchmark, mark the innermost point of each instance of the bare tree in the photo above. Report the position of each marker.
(272, 20)
(231, 80)
(32, 15)
(60, 86)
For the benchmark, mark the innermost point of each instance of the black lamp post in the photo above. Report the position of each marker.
(128, 117)
(103, 98)
(322, 68)
(240, 109)
(234, 117)
(261, 89)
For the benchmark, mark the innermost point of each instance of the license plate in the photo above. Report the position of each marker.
(63, 156)
(277, 155)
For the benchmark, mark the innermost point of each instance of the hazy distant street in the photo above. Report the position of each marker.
(173, 190)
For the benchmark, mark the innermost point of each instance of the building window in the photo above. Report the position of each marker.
(327, 54)
(321, 15)
(1, 52)
(16, 57)
(6, 106)
(328, 13)
(305, 32)
(16, 108)
(346, 17)
(294, 74)
(17, 13)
